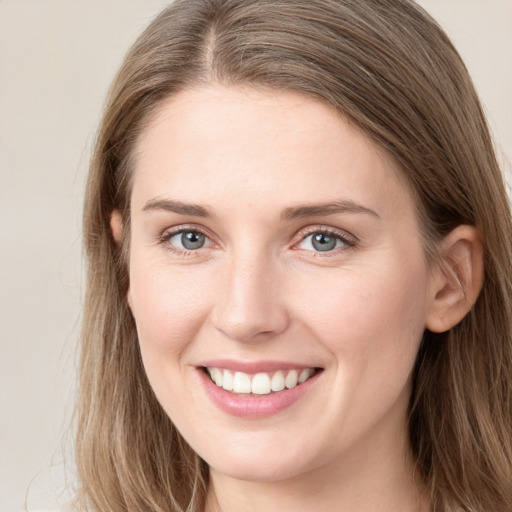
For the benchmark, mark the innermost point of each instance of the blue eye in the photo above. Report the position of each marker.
(188, 240)
(322, 242)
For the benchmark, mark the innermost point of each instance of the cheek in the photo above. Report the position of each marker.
(365, 316)
(168, 307)
(372, 323)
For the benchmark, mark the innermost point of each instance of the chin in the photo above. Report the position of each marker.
(262, 465)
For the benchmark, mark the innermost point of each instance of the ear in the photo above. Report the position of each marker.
(116, 225)
(456, 279)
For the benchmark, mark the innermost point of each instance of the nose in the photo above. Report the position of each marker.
(250, 302)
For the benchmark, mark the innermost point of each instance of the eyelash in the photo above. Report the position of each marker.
(348, 241)
(165, 238)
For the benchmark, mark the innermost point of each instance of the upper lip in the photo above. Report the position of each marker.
(254, 366)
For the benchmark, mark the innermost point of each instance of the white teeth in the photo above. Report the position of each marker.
(260, 383)
(291, 379)
(213, 373)
(216, 376)
(277, 383)
(304, 375)
(227, 382)
(241, 383)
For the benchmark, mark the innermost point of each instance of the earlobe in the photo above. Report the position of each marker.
(116, 225)
(457, 279)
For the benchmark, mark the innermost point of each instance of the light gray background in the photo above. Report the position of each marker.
(57, 58)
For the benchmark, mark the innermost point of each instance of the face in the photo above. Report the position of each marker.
(276, 251)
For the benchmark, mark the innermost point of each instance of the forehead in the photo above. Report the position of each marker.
(260, 146)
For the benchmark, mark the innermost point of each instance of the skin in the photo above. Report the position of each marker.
(258, 290)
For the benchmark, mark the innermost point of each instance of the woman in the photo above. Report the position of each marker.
(299, 278)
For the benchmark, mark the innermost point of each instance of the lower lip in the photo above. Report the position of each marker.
(254, 406)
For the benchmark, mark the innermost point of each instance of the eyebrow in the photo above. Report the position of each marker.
(176, 207)
(291, 213)
(317, 210)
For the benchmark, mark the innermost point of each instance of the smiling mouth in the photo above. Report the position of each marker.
(263, 383)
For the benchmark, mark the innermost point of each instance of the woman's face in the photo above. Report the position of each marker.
(272, 241)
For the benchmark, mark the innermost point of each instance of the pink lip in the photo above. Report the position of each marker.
(251, 406)
(252, 366)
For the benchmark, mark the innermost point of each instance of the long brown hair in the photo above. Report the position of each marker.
(390, 69)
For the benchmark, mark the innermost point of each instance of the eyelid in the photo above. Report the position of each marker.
(168, 233)
(348, 238)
